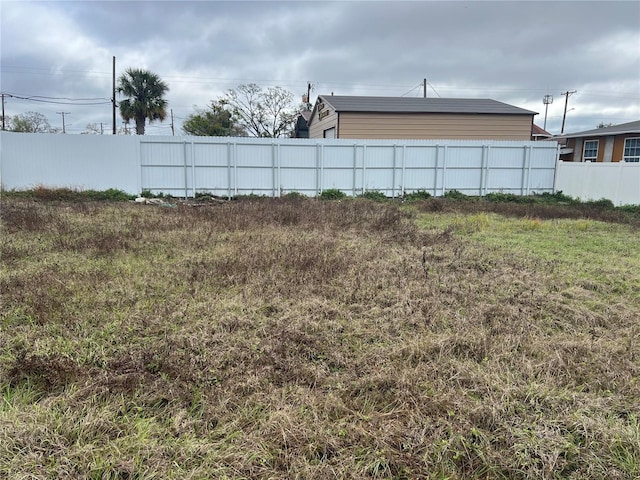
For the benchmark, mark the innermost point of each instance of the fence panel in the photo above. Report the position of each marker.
(618, 182)
(229, 166)
(96, 162)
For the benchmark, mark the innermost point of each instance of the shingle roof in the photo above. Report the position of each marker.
(539, 131)
(306, 114)
(631, 127)
(421, 105)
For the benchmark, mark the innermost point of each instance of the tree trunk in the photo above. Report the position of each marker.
(140, 125)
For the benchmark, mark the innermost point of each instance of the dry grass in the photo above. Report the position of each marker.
(305, 339)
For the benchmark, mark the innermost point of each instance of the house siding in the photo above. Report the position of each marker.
(618, 145)
(430, 126)
(317, 126)
(605, 152)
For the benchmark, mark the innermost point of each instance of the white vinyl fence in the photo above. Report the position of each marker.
(231, 166)
(618, 182)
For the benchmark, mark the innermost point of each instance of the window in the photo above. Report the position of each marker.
(631, 150)
(590, 152)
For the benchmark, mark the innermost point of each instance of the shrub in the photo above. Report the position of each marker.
(417, 196)
(456, 195)
(508, 198)
(65, 194)
(557, 197)
(374, 195)
(332, 194)
(634, 209)
(111, 194)
(250, 196)
(294, 196)
(603, 203)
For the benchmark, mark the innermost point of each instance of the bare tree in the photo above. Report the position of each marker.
(262, 113)
(93, 129)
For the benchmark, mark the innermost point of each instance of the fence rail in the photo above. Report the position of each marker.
(230, 166)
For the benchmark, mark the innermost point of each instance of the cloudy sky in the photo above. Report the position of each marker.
(512, 51)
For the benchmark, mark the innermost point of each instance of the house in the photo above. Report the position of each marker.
(336, 116)
(301, 128)
(538, 133)
(609, 144)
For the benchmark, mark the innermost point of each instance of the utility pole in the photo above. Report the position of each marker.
(172, 130)
(113, 95)
(547, 99)
(101, 128)
(63, 114)
(3, 112)
(566, 94)
(424, 88)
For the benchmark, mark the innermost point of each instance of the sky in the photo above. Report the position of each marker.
(57, 56)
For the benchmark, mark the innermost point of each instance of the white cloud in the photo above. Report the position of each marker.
(515, 52)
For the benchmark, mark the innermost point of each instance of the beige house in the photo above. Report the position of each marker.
(608, 144)
(335, 116)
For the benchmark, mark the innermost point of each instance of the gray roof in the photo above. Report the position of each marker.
(421, 105)
(631, 127)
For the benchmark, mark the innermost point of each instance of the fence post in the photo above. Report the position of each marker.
(228, 170)
(435, 171)
(273, 170)
(393, 174)
(319, 168)
(193, 169)
(355, 169)
(139, 153)
(186, 181)
(404, 167)
(482, 170)
(530, 149)
(444, 169)
(556, 169)
(524, 169)
(234, 151)
(364, 168)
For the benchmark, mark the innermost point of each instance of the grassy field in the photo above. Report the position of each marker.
(295, 338)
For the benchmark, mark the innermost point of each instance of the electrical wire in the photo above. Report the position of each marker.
(59, 100)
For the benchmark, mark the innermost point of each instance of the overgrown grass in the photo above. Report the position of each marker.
(294, 338)
(68, 194)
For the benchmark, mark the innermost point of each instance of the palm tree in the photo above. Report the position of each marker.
(144, 91)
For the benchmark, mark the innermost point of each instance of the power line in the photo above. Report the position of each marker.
(414, 88)
(58, 100)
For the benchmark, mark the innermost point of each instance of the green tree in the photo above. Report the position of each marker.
(30, 122)
(214, 121)
(262, 113)
(144, 92)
